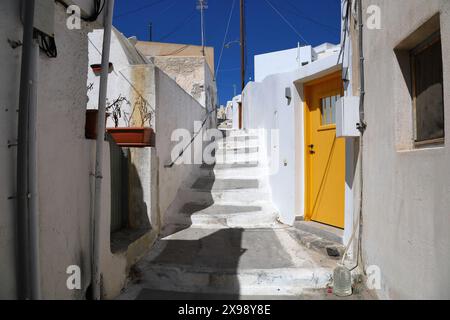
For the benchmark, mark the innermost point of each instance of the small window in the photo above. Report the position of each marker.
(328, 110)
(428, 94)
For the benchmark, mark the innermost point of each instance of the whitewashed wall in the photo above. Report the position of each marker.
(66, 163)
(133, 76)
(406, 204)
(9, 100)
(175, 109)
(276, 62)
(266, 107)
(64, 157)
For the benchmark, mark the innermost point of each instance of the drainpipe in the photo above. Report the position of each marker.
(96, 277)
(362, 127)
(27, 209)
(362, 123)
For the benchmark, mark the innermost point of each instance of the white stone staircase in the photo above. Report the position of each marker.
(226, 238)
(232, 193)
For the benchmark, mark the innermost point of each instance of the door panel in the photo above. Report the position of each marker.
(325, 154)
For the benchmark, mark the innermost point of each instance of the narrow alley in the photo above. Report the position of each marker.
(195, 151)
(227, 243)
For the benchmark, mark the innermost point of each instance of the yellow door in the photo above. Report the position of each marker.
(325, 154)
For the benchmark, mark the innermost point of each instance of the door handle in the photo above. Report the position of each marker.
(311, 149)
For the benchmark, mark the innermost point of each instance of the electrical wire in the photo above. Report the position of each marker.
(177, 51)
(286, 21)
(124, 77)
(358, 224)
(99, 5)
(179, 26)
(47, 44)
(208, 114)
(138, 9)
(225, 37)
(345, 30)
(298, 12)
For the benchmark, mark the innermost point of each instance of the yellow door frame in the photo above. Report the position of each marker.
(307, 88)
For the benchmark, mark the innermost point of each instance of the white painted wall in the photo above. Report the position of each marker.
(229, 110)
(276, 62)
(193, 75)
(66, 163)
(406, 204)
(290, 60)
(235, 111)
(9, 100)
(266, 107)
(175, 109)
(65, 157)
(133, 77)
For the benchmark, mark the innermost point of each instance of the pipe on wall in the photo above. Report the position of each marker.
(96, 276)
(27, 211)
(33, 179)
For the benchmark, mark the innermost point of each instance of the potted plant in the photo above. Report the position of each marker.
(135, 134)
(90, 130)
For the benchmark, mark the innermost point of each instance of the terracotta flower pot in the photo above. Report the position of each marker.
(134, 137)
(90, 130)
(97, 68)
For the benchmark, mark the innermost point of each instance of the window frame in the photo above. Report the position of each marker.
(427, 43)
(329, 116)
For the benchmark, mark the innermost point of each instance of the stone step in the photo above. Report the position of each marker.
(211, 184)
(282, 281)
(237, 171)
(237, 144)
(238, 197)
(229, 158)
(226, 216)
(232, 166)
(238, 150)
(241, 138)
(242, 133)
(233, 261)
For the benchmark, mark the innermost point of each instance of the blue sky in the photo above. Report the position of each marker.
(178, 21)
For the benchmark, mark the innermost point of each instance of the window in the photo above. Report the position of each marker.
(427, 89)
(328, 109)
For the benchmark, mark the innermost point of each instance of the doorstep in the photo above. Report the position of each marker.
(324, 231)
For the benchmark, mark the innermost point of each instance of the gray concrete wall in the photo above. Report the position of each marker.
(9, 100)
(406, 204)
(64, 156)
(193, 75)
(265, 106)
(66, 164)
(133, 78)
(162, 49)
(175, 109)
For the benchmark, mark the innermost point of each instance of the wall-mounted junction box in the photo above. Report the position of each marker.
(347, 117)
(86, 6)
(306, 55)
(44, 16)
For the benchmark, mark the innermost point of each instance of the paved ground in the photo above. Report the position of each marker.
(321, 294)
(226, 243)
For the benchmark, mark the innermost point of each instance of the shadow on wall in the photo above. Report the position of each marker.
(219, 250)
(129, 211)
(197, 250)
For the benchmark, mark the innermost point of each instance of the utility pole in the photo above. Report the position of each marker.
(202, 6)
(242, 45)
(150, 31)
